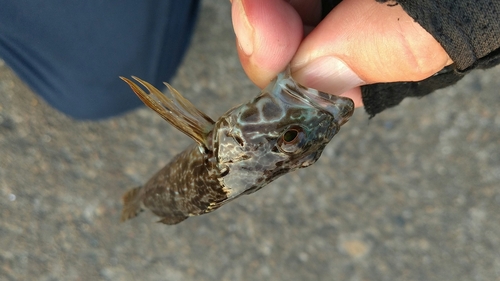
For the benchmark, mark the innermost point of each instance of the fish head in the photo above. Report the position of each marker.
(283, 129)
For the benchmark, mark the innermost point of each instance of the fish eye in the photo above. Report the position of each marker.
(290, 136)
(290, 140)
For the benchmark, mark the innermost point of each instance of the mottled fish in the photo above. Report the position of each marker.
(284, 128)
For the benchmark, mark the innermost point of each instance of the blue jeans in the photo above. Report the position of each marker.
(72, 52)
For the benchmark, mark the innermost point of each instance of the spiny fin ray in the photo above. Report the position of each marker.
(179, 112)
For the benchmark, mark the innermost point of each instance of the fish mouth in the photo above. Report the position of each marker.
(340, 107)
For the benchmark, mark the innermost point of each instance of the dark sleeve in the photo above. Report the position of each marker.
(469, 31)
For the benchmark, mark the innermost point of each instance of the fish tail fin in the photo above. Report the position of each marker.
(131, 204)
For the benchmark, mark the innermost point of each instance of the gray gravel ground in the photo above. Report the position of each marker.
(412, 194)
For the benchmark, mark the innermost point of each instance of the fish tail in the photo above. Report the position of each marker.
(131, 204)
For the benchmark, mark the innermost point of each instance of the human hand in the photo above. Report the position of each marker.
(359, 42)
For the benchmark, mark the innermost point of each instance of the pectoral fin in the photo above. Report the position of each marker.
(178, 111)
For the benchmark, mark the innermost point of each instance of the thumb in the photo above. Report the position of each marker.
(363, 42)
(268, 35)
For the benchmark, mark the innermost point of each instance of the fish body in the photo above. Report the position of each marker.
(284, 128)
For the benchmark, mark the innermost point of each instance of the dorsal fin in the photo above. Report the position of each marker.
(179, 112)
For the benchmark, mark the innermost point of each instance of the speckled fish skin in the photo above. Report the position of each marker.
(283, 129)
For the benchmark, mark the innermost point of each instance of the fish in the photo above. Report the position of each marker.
(284, 128)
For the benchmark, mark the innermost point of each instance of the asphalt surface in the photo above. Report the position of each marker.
(413, 194)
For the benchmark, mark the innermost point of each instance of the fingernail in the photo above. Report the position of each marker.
(328, 74)
(242, 28)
